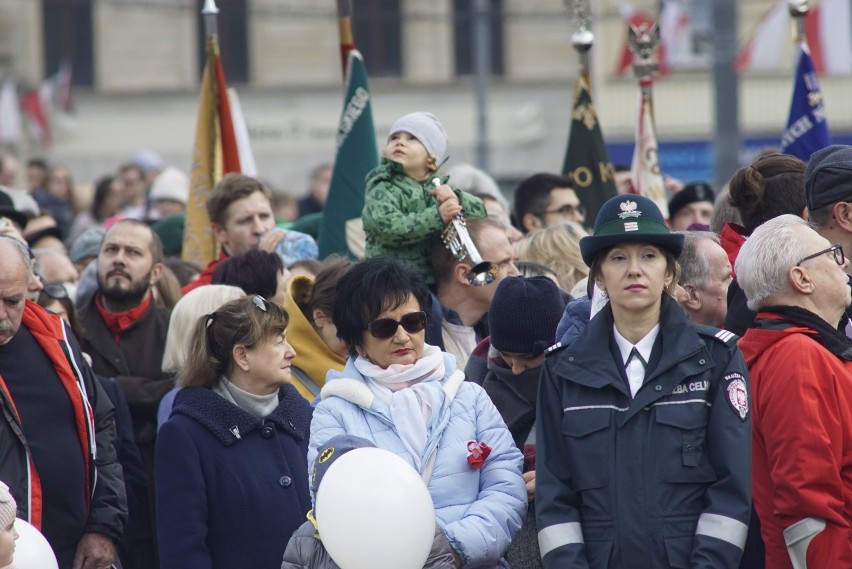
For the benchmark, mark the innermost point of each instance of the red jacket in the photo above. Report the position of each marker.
(732, 238)
(206, 276)
(93, 412)
(801, 441)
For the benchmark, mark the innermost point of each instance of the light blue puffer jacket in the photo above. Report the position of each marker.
(480, 510)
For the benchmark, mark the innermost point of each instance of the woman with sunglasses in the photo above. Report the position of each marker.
(408, 397)
(231, 470)
(643, 430)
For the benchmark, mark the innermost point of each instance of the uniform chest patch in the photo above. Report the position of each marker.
(737, 394)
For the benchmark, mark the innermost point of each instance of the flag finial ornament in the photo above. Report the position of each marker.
(643, 41)
(798, 8)
(209, 7)
(582, 39)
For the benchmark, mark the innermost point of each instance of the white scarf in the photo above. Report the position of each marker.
(403, 388)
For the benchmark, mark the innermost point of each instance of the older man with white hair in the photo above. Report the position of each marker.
(801, 373)
(705, 277)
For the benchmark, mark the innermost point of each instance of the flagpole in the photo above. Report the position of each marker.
(582, 39)
(643, 41)
(211, 14)
(798, 12)
(344, 29)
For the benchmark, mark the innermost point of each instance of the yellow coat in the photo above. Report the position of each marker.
(313, 356)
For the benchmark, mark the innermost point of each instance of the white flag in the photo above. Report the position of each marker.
(247, 163)
(10, 113)
(645, 169)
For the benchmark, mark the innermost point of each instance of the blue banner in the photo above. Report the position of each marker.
(807, 129)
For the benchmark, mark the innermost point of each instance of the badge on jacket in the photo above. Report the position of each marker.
(737, 394)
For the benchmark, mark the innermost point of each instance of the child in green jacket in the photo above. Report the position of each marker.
(403, 208)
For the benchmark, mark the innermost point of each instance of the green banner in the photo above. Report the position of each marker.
(586, 159)
(356, 155)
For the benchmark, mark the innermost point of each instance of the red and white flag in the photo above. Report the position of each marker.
(33, 105)
(10, 113)
(247, 162)
(62, 83)
(645, 169)
(828, 27)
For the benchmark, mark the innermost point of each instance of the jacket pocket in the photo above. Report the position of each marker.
(599, 553)
(587, 437)
(683, 430)
(678, 551)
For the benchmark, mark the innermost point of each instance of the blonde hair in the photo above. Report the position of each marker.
(186, 313)
(557, 247)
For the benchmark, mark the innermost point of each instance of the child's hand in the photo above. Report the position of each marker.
(529, 480)
(449, 209)
(443, 193)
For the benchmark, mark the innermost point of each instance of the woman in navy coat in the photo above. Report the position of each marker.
(231, 464)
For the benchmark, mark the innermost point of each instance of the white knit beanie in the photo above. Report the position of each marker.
(171, 184)
(8, 507)
(427, 129)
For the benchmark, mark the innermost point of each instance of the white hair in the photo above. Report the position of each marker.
(767, 256)
(24, 252)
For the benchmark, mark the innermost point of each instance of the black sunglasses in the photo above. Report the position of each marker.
(55, 291)
(384, 328)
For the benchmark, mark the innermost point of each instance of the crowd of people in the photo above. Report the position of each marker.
(634, 390)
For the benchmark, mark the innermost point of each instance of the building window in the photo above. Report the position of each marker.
(463, 20)
(232, 26)
(68, 39)
(377, 25)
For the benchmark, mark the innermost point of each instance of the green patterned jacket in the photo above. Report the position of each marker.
(401, 216)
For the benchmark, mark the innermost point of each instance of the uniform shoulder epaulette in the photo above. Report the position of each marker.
(725, 336)
(554, 348)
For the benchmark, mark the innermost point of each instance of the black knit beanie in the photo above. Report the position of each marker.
(524, 314)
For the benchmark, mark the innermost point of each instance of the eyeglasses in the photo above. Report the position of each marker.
(384, 328)
(567, 210)
(55, 291)
(836, 250)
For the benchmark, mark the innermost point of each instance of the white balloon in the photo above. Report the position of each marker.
(373, 510)
(31, 549)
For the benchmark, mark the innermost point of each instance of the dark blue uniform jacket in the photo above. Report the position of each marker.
(660, 480)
